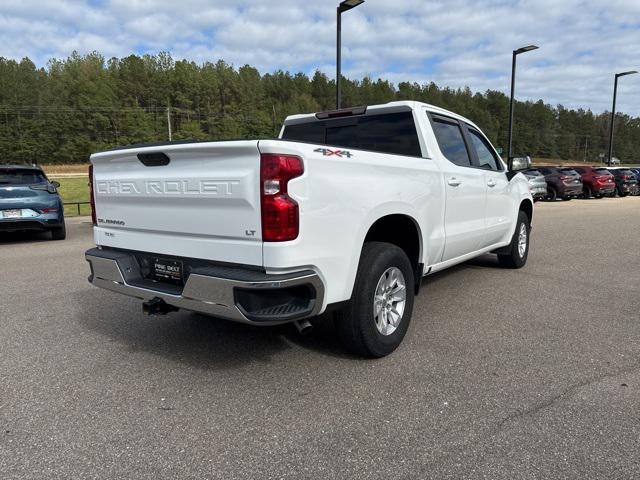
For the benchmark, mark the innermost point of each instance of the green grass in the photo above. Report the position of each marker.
(74, 189)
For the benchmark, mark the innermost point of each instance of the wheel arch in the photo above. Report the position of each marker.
(403, 231)
(526, 206)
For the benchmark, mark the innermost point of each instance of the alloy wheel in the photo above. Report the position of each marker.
(522, 240)
(389, 301)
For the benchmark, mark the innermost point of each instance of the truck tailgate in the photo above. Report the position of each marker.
(203, 203)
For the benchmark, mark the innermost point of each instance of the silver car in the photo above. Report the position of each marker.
(537, 184)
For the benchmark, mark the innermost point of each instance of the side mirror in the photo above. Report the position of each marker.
(516, 164)
(55, 184)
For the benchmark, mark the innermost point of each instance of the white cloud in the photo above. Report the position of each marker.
(455, 43)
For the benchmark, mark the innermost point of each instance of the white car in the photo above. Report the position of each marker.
(347, 210)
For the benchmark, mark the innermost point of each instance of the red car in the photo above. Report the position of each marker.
(596, 181)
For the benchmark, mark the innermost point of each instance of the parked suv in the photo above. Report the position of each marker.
(537, 184)
(29, 201)
(626, 181)
(562, 182)
(636, 172)
(596, 181)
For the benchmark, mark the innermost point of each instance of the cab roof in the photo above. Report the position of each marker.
(390, 107)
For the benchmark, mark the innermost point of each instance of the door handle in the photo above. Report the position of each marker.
(454, 182)
(492, 183)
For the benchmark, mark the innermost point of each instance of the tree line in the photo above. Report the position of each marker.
(85, 103)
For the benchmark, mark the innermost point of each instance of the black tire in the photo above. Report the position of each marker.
(356, 323)
(552, 195)
(566, 198)
(59, 233)
(598, 196)
(586, 192)
(513, 259)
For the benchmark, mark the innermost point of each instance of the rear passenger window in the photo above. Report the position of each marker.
(486, 158)
(451, 141)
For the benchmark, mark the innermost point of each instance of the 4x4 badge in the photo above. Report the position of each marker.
(338, 153)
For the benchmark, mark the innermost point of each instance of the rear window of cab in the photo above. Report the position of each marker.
(393, 133)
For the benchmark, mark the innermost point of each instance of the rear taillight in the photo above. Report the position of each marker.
(92, 198)
(280, 217)
(49, 210)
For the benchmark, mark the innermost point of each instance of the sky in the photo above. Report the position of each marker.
(455, 43)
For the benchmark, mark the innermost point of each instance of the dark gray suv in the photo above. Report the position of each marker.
(562, 182)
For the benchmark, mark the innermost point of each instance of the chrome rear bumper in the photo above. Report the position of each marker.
(217, 291)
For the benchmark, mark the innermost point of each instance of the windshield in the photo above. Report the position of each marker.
(569, 171)
(19, 176)
(601, 171)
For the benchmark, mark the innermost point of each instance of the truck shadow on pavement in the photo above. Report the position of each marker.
(198, 340)
(212, 343)
(484, 261)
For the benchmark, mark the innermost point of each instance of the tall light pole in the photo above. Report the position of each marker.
(513, 86)
(613, 112)
(343, 7)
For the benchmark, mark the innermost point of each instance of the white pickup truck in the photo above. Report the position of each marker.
(347, 210)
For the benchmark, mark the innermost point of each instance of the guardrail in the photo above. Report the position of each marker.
(77, 204)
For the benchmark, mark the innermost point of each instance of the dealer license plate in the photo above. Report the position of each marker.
(166, 270)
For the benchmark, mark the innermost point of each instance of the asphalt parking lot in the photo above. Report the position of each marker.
(504, 374)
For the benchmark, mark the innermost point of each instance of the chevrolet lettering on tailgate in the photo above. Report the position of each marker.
(167, 187)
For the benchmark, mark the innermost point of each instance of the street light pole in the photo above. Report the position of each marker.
(343, 7)
(613, 112)
(513, 87)
(339, 59)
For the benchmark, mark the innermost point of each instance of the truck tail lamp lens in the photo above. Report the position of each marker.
(92, 197)
(280, 216)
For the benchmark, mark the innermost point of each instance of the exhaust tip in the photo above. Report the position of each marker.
(303, 326)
